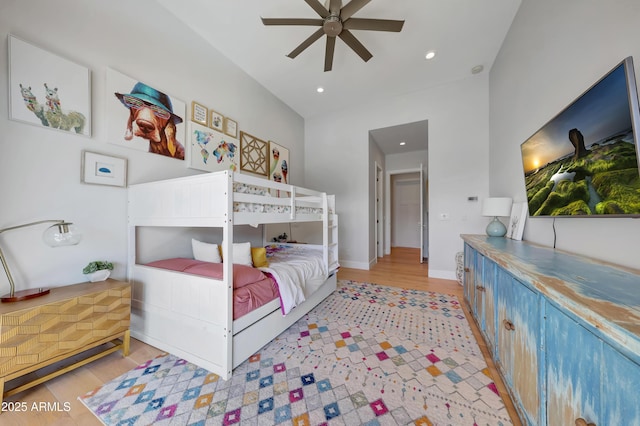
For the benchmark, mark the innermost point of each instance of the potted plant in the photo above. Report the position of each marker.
(98, 270)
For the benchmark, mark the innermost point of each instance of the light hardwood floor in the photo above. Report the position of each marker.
(400, 269)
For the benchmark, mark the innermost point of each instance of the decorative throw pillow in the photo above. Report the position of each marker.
(259, 257)
(241, 253)
(205, 252)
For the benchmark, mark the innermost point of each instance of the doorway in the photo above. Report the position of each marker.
(406, 223)
(405, 210)
(396, 150)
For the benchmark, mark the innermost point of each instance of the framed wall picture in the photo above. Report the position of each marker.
(48, 91)
(199, 113)
(128, 99)
(212, 151)
(278, 163)
(253, 154)
(515, 230)
(231, 127)
(216, 122)
(103, 169)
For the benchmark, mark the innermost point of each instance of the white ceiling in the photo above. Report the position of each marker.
(464, 33)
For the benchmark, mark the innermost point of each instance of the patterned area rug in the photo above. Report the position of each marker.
(367, 355)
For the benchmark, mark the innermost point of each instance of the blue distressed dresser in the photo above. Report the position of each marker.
(563, 330)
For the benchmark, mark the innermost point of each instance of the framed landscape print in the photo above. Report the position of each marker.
(253, 154)
(212, 151)
(48, 91)
(102, 169)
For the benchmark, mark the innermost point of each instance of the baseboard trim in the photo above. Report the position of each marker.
(354, 265)
(446, 275)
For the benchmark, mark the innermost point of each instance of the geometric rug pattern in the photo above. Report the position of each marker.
(367, 355)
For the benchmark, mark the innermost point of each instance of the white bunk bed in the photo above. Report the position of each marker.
(191, 316)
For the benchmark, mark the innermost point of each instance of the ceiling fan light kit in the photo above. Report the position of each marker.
(336, 22)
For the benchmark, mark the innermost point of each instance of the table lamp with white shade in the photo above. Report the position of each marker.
(60, 234)
(496, 206)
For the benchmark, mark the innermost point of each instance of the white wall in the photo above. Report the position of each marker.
(337, 160)
(40, 168)
(408, 160)
(554, 51)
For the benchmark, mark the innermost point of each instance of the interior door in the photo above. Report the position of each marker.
(406, 212)
(421, 214)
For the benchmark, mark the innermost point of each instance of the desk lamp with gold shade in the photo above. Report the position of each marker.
(60, 234)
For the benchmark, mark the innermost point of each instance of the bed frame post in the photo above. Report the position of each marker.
(325, 231)
(227, 271)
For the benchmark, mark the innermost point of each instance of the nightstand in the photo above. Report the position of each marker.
(69, 320)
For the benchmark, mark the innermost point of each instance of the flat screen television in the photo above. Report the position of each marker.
(584, 162)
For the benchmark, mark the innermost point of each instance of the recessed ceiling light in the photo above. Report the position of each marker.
(430, 54)
(320, 89)
(403, 143)
(477, 69)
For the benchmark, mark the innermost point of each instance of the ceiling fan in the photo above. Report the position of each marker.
(336, 22)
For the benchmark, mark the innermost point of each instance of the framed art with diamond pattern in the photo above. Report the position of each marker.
(254, 154)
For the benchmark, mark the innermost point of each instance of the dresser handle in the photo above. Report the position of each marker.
(466, 269)
(480, 288)
(583, 422)
(508, 325)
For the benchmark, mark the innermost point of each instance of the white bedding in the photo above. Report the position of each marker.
(292, 266)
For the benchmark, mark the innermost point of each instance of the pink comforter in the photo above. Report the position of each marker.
(252, 287)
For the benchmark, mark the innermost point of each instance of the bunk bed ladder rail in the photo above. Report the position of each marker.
(293, 203)
(330, 232)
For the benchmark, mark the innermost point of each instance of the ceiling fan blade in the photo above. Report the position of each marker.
(354, 44)
(334, 7)
(352, 7)
(328, 54)
(318, 7)
(308, 42)
(292, 21)
(373, 24)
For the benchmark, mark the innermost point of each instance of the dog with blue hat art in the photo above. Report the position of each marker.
(151, 117)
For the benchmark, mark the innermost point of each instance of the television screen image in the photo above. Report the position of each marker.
(584, 162)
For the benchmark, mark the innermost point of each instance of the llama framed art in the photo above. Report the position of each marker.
(47, 90)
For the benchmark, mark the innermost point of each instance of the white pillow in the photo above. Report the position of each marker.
(205, 252)
(241, 253)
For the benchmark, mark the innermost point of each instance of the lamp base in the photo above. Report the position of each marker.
(24, 295)
(496, 228)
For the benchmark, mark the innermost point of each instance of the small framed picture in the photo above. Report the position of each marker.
(216, 121)
(515, 230)
(231, 127)
(199, 113)
(102, 169)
